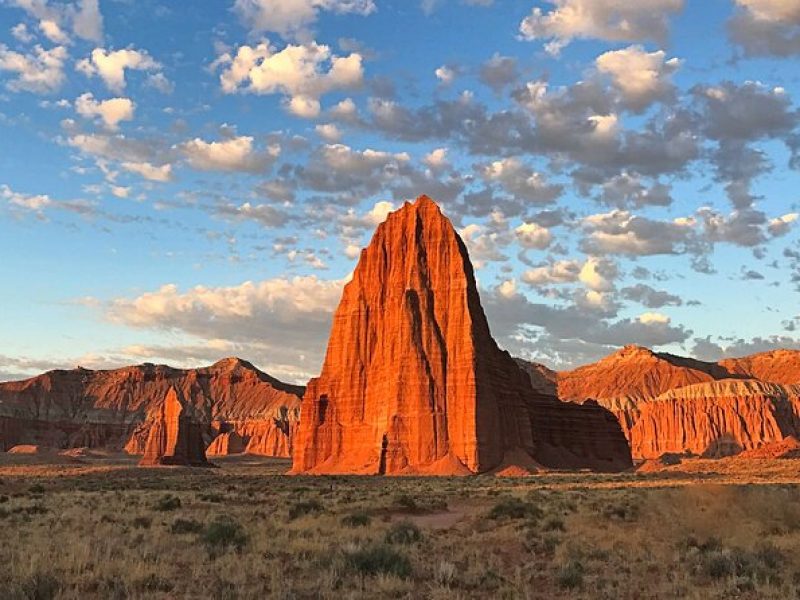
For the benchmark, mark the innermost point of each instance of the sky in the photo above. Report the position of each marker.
(180, 182)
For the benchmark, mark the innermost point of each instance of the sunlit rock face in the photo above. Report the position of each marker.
(413, 381)
(175, 438)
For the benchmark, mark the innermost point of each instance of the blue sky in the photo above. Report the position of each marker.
(178, 186)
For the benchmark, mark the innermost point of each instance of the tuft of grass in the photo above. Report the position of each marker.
(181, 526)
(514, 508)
(358, 519)
(167, 503)
(403, 532)
(304, 507)
(378, 559)
(570, 575)
(224, 533)
(142, 522)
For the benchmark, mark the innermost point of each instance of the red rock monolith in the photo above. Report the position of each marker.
(174, 438)
(413, 382)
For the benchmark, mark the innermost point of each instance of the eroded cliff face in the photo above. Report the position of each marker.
(668, 404)
(113, 409)
(718, 418)
(174, 438)
(414, 383)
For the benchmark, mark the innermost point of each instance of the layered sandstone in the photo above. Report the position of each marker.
(414, 383)
(667, 403)
(109, 409)
(713, 419)
(174, 438)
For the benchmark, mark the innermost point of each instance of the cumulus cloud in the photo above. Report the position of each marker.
(39, 203)
(620, 232)
(641, 77)
(629, 189)
(650, 297)
(499, 72)
(533, 236)
(290, 316)
(521, 181)
(39, 71)
(782, 225)
(612, 20)
(562, 271)
(83, 18)
(766, 27)
(598, 274)
(445, 74)
(234, 154)
(110, 111)
(161, 173)
(110, 65)
(292, 17)
(302, 73)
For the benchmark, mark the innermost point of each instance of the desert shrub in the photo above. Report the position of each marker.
(224, 533)
(153, 583)
(403, 532)
(142, 522)
(554, 524)
(211, 497)
(305, 507)
(167, 502)
(378, 559)
(358, 519)
(570, 575)
(39, 586)
(406, 502)
(3, 499)
(181, 526)
(514, 508)
(36, 488)
(717, 562)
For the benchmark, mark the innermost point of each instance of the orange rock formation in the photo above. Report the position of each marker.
(108, 409)
(174, 437)
(414, 383)
(667, 403)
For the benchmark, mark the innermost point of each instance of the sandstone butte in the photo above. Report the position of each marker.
(174, 437)
(414, 383)
(670, 404)
(109, 409)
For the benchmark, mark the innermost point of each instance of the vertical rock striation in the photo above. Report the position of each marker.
(174, 437)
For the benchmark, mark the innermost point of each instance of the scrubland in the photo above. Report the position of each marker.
(106, 529)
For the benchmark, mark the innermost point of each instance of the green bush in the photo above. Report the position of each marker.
(377, 559)
(224, 533)
(570, 575)
(359, 519)
(403, 532)
(305, 507)
(180, 526)
(167, 502)
(514, 508)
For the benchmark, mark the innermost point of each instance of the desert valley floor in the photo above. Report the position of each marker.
(97, 526)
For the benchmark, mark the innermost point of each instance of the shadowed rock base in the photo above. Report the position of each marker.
(413, 382)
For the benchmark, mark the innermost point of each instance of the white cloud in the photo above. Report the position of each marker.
(620, 232)
(767, 27)
(445, 74)
(39, 203)
(781, 225)
(328, 132)
(562, 271)
(111, 111)
(598, 274)
(773, 10)
(302, 73)
(641, 77)
(20, 31)
(436, 159)
(110, 66)
(612, 20)
(521, 181)
(654, 318)
(533, 236)
(82, 18)
(292, 17)
(150, 172)
(234, 154)
(40, 72)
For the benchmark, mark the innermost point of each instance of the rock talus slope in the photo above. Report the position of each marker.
(414, 383)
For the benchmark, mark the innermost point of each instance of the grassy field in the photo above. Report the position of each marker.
(99, 528)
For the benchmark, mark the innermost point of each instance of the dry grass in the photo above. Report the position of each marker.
(105, 529)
